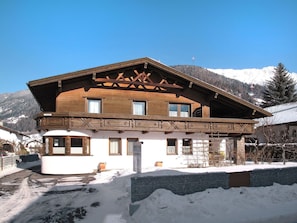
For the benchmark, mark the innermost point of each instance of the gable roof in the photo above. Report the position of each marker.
(45, 90)
(11, 131)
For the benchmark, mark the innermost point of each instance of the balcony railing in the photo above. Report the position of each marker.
(116, 122)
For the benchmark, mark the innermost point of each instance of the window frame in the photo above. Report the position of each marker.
(119, 147)
(178, 112)
(131, 140)
(138, 102)
(99, 100)
(66, 145)
(175, 146)
(61, 141)
(184, 149)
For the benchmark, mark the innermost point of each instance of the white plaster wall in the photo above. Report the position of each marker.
(153, 149)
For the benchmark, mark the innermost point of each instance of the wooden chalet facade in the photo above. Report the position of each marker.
(97, 114)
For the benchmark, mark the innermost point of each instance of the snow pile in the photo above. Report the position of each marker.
(106, 199)
(269, 204)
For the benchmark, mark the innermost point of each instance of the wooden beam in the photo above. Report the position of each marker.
(101, 81)
(190, 84)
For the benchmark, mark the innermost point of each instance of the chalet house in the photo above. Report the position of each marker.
(95, 116)
(10, 140)
(281, 127)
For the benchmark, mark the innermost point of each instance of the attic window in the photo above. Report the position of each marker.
(94, 106)
(139, 108)
(179, 110)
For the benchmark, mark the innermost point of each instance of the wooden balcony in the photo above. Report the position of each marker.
(144, 124)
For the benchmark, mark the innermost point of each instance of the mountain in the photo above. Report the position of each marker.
(17, 110)
(251, 76)
(249, 92)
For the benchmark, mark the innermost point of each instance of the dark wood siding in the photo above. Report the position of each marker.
(120, 101)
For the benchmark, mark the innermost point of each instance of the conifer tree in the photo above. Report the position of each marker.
(280, 89)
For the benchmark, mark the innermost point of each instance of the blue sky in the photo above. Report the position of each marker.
(45, 38)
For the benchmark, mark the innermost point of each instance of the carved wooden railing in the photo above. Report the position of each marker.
(116, 122)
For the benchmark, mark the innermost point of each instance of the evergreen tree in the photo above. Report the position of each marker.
(280, 89)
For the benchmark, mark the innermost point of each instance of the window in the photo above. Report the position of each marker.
(139, 108)
(171, 146)
(115, 146)
(94, 106)
(187, 147)
(59, 145)
(184, 110)
(130, 144)
(173, 111)
(59, 142)
(198, 112)
(179, 110)
(76, 142)
(76, 146)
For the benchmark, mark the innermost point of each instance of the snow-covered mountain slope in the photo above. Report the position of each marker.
(250, 76)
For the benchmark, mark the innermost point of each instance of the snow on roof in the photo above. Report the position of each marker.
(64, 133)
(284, 113)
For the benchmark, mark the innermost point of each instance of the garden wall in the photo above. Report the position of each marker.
(143, 186)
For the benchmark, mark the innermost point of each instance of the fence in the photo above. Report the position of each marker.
(7, 162)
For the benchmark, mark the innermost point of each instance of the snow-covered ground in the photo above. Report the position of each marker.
(106, 199)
